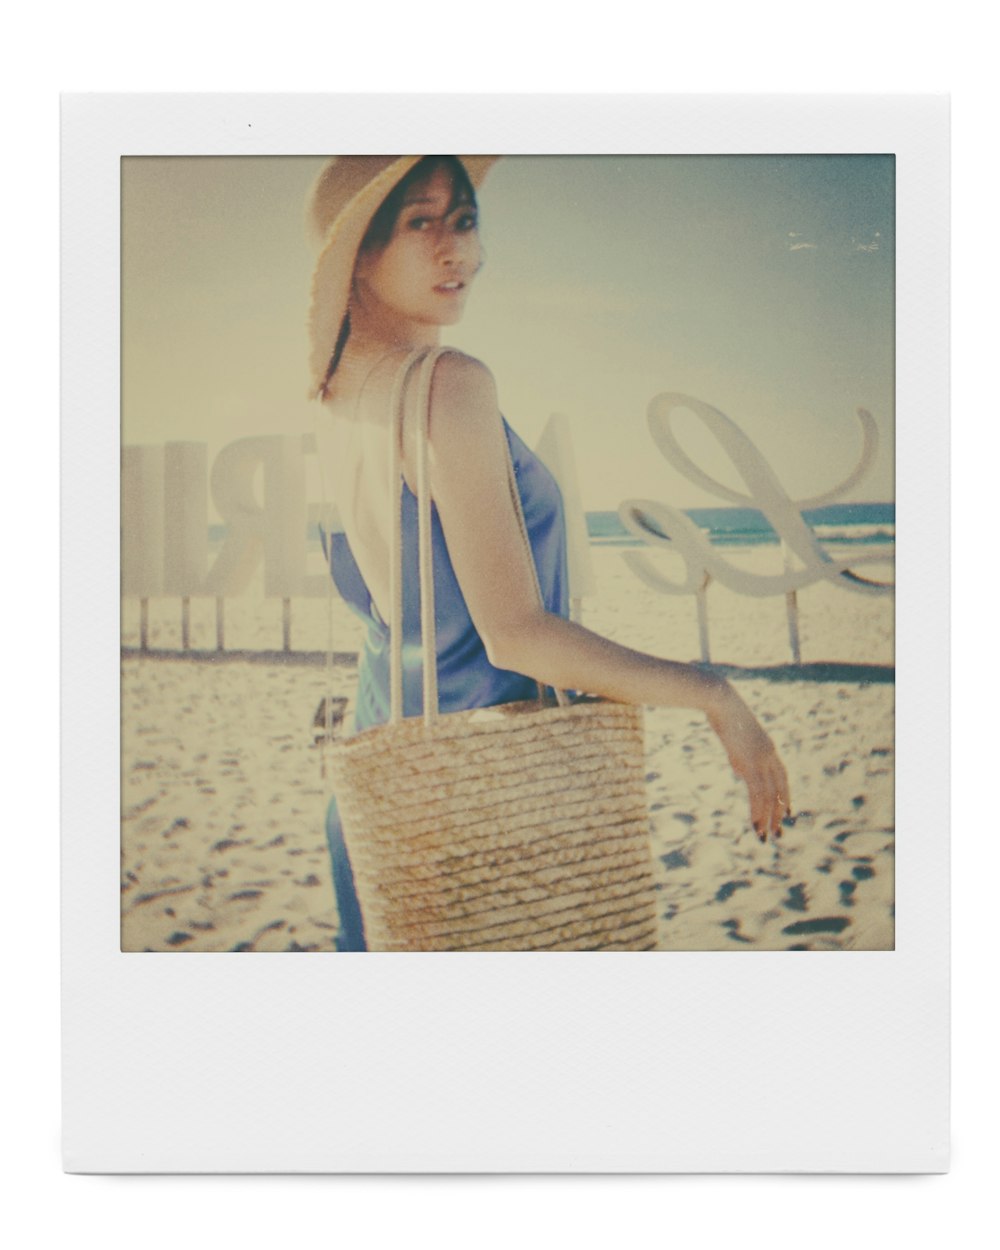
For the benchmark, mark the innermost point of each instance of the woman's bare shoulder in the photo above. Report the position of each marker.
(464, 425)
(463, 390)
(458, 366)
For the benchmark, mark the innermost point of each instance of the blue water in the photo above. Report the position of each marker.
(847, 524)
(850, 524)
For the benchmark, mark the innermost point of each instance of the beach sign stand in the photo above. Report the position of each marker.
(804, 560)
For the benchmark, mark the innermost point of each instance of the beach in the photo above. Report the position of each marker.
(223, 800)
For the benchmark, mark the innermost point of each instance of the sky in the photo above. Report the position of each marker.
(762, 285)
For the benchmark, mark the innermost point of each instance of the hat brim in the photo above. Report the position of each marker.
(331, 283)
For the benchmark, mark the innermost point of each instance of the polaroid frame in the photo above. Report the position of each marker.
(679, 1062)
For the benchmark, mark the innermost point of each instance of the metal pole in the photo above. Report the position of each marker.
(143, 624)
(220, 624)
(701, 598)
(186, 623)
(286, 624)
(792, 610)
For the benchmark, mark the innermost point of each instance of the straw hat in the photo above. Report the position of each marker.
(343, 199)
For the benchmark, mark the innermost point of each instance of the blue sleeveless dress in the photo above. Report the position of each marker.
(466, 678)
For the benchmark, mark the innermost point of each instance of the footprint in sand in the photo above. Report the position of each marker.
(733, 930)
(822, 924)
(797, 899)
(227, 844)
(729, 889)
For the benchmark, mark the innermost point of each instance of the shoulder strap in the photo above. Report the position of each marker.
(396, 544)
(427, 360)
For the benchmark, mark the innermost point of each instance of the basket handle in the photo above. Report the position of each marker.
(427, 359)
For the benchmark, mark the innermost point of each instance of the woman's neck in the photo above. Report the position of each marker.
(375, 331)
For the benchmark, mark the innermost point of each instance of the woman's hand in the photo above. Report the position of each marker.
(755, 760)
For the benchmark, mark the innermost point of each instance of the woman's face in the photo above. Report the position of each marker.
(424, 272)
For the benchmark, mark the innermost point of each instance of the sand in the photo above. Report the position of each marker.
(223, 847)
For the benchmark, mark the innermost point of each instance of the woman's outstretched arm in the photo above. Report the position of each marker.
(468, 476)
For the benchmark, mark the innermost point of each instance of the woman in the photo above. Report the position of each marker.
(399, 251)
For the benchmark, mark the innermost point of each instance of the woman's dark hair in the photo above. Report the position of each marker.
(383, 223)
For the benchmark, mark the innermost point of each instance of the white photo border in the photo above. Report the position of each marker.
(679, 1062)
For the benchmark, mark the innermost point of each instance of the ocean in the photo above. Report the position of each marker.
(843, 524)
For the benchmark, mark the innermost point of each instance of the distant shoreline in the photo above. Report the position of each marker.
(844, 524)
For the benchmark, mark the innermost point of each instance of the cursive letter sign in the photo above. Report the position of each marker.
(661, 525)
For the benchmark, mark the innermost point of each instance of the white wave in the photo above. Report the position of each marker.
(886, 531)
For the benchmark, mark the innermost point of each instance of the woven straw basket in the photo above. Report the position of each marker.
(511, 828)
